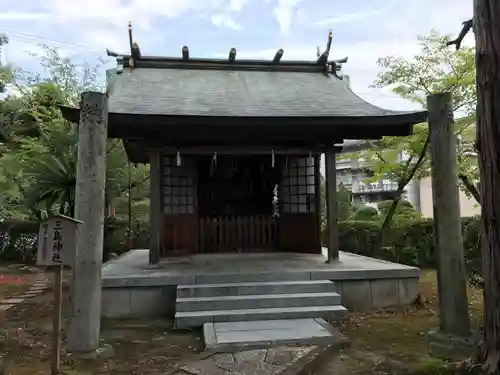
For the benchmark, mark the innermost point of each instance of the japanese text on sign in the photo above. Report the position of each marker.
(57, 243)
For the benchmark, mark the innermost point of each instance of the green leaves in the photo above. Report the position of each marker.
(38, 157)
(436, 68)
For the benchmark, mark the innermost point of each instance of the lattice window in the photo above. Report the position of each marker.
(178, 186)
(298, 185)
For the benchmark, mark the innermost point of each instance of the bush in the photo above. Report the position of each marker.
(409, 243)
(18, 240)
(366, 213)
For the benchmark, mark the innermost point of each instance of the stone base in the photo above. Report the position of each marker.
(104, 352)
(450, 347)
(133, 289)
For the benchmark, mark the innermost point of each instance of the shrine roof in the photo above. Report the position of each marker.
(205, 100)
(211, 90)
(248, 88)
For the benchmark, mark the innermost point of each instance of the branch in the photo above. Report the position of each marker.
(113, 146)
(403, 182)
(378, 154)
(466, 26)
(470, 187)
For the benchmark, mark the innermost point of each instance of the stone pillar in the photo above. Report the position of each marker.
(331, 206)
(84, 331)
(155, 208)
(452, 284)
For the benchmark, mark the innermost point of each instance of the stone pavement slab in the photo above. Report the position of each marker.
(280, 360)
(261, 334)
(11, 301)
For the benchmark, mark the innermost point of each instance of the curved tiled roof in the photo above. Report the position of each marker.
(239, 93)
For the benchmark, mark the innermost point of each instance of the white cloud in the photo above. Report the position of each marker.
(237, 5)
(349, 17)
(225, 20)
(284, 12)
(120, 12)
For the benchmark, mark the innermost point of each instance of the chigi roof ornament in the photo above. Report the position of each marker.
(136, 60)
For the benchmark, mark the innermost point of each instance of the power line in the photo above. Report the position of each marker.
(33, 39)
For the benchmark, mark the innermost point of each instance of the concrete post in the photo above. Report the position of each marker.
(331, 206)
(452, 284)
(84, 331)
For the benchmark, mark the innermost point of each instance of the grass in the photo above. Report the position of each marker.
(13, 282)
(397, 336)
(140, 347)
(152, 347)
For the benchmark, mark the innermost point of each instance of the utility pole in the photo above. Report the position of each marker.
(486, 27)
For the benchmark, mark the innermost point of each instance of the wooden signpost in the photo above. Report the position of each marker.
(57, 249)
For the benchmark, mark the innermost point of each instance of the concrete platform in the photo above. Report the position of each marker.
(229, 337)
(131, 288)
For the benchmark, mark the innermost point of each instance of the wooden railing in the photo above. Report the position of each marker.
(238, 233)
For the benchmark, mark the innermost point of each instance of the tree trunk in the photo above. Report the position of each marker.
(487, 31)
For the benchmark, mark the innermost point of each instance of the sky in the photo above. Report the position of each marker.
(363, 30)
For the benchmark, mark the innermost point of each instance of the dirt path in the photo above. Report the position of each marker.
(383, 342)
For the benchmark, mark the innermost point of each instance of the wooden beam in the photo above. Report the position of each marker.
(210, 150)
(155, 207)
(317, 196)
(331, 206)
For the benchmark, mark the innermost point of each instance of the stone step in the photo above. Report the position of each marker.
(233, 336)
(188, 319)
(256, 301)
(255, 288)
(236, 277)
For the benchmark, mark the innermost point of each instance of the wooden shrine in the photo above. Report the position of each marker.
(234, 147)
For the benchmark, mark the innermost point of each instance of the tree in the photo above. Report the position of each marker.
(40, 160)
(5, 71)
(366, 213)
(404, 212)
(345, 206)
(486, 20)
(434, 69)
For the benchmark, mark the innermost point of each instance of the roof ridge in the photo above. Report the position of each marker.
(224, 64)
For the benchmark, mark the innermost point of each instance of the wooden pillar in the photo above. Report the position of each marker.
(155, 207)
(84, 331)
(331, 206)
(452, 284)
(318, 202)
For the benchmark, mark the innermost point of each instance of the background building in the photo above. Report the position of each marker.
(353, 173)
